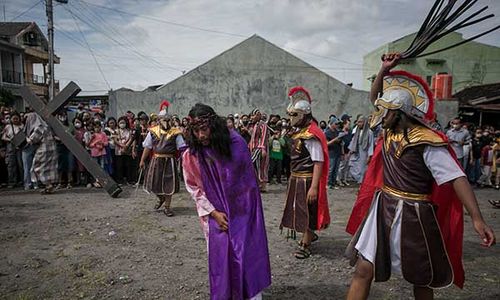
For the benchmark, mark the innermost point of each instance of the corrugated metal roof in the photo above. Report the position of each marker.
(12, 28)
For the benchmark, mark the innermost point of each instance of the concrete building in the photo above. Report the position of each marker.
(253, 73)
(480, 104)
(470, 64)
(22, 47)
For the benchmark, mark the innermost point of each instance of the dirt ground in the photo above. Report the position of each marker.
(82, 244)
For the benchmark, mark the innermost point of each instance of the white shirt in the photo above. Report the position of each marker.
(442, 166)
(314, 148)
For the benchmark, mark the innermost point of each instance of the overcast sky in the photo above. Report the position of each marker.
(138, 43)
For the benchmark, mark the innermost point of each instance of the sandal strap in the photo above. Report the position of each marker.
(302, 253)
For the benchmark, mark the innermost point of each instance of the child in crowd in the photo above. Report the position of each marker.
(79, 133)
(112, 132)
(97, 145)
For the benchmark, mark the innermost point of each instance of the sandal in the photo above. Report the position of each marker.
(48, 190)
(168, 212)
(314, 239)
(302, 253)
(496, 203)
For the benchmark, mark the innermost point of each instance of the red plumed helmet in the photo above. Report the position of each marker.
(299, 93)
(164, 105)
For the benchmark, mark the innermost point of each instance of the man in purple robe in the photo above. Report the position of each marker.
(219, 175)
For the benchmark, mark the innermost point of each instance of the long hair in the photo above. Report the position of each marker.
(405, 121)
(124, 119)
(220, 139)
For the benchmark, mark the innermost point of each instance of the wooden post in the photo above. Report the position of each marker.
(47, 111)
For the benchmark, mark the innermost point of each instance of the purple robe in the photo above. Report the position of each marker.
(238, 260)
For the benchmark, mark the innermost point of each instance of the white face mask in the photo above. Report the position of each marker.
(78, 125)
(122, 125)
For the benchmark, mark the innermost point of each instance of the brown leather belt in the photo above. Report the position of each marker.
(406, 195)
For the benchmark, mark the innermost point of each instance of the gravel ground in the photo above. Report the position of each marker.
(82, 244)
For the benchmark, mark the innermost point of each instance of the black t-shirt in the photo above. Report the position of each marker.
(139, 137)
(335, 148)
(245, 135)
(477, 146)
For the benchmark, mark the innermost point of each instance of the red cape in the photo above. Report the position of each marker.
(323, 211)
(449, 213)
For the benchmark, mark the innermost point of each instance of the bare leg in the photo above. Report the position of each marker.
(263, 186)
(423, 293)
(307, 237)
(303, 251)
(361, 280)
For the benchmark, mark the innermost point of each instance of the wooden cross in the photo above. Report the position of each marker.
(47, 111)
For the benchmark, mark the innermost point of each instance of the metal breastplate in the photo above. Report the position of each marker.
(301, 161)
(164, 145)
(407, 172)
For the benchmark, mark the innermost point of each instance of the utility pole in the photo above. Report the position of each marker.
(50, 26)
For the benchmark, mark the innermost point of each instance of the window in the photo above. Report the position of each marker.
(429, 80)
(31, 39)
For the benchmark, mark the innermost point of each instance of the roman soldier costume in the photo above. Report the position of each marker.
(308, 146)
(407, 218)
(162, 175)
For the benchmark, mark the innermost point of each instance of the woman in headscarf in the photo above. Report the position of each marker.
(360, 149)
(44, 167)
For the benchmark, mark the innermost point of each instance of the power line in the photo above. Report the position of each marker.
(152, 18)
(94, 26)
(164, 21)
(116, 32)
(27, 10)
(325, 57)
(118, 65)
(91, 52)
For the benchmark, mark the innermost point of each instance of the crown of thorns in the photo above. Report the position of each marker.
(203, 120)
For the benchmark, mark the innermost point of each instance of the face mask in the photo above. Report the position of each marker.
(62, 118)
(455, 126)
(245, 123)
(78, 125)
(122, 125)
(478, 135)
(486, 133)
